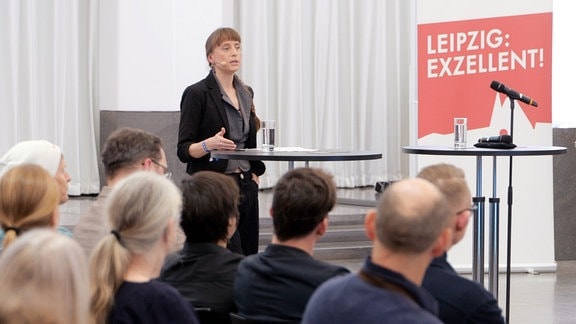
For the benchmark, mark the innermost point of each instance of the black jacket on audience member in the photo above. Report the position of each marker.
(277, 283)
(204, 274)
(460, 300)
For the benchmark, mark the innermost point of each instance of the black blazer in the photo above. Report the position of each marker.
(202, 114)
(460, 300)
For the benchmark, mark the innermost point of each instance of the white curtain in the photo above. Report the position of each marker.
(334, 74)
(46, 73)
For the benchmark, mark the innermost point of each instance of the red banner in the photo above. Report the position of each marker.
(458, 60)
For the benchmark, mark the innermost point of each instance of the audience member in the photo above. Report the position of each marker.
(409, 229)
(143, 211)
(460, 300)
(44, 279)
(126, 151)
(29, 199)
(277, 283)
(46, 155)
(41, 153)
(203, 271)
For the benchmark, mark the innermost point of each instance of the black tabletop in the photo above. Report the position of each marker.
(307, 155)
(475, 151)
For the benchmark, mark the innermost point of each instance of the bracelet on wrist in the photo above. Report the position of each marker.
(204, 147)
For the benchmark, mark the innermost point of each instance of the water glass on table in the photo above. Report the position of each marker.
(460, 130)
(268, 136)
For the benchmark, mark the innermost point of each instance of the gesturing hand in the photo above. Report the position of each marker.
(219, 142)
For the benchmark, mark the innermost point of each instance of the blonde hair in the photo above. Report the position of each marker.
(29, 195)
(139, 208)
(44, 279)
(451, 181)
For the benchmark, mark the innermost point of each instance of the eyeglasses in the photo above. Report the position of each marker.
(167, 172)
(471, 209)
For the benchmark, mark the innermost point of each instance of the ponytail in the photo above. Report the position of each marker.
(10, 234)
(253, 107)
(256, 118)
(108, 265)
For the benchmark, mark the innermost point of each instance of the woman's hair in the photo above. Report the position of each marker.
(29, 195)
(139, 208)
(210, 200)
(44, 279)
(451, 181)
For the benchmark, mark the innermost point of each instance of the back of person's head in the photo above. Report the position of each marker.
(29, 198)
(127, 147)
(302, 199)
(44, 279)
(210, 200)
(38, 152)
(451, 181)
(140, 208)
(411, 215)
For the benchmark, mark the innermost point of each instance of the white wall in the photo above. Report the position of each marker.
(563, 63)
(431, 12)
(151, 50)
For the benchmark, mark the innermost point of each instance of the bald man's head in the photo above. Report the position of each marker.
(411, 215)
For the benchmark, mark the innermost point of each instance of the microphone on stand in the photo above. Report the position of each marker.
(500, 87)
(496, 139)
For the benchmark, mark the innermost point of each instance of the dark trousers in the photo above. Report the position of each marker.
(245, 239)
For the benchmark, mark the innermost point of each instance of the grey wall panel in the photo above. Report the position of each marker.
(565, 195)
(162, 124)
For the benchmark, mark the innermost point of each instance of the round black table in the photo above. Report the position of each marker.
(478, 253)
(476, 151)
(296, 155)
(281, 154)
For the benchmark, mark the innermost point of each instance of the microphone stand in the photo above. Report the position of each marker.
(509, 244)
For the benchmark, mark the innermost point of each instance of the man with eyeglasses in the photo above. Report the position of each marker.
(460, 300)
(126, 151)
(165, 171)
